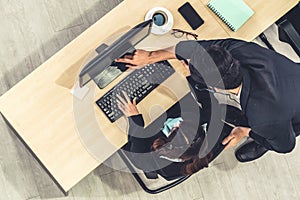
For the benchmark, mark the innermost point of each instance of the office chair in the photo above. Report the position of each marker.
(289, 28)
(149, 175)
(288, 34)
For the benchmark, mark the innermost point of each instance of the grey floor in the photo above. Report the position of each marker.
(31, 32)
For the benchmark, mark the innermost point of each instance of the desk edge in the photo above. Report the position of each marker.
(33, 154)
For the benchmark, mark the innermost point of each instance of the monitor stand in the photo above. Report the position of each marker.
(111, 72)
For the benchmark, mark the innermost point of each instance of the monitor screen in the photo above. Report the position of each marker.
(121, 46)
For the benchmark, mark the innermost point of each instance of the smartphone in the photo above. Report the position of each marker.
(190, 15)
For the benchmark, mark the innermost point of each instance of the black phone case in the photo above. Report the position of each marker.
(190, 15)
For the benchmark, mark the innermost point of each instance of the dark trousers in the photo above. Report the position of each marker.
(296, 128)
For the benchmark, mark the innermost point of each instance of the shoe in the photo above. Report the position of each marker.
(250, 151)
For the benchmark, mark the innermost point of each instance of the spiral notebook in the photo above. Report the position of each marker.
(234, 13)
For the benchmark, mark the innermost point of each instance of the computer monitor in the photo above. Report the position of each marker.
(120, 47)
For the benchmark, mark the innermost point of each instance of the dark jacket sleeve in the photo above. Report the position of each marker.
(251, 55)
(185, 49)
(138, 141)
(281, 143)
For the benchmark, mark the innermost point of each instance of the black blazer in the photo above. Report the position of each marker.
(140, 139)
(270, 95)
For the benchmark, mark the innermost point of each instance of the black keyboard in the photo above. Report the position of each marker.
(137, 84)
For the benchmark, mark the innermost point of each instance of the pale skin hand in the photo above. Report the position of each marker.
(141, 57)
(236, 135)
(126, 106)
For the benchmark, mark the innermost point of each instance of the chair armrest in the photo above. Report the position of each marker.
(288, 34)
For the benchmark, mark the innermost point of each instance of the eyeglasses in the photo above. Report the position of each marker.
(179, 33)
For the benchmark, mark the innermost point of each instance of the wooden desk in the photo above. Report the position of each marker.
(71, 137)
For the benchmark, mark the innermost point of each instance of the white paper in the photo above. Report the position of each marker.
(79, 92)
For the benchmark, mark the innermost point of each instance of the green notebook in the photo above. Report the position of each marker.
(234, 13)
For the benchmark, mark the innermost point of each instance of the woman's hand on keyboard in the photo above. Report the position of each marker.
(137, 60)
(126, 106)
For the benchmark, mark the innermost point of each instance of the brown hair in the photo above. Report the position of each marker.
(191, 156)
(158, 143)
(196, 164)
